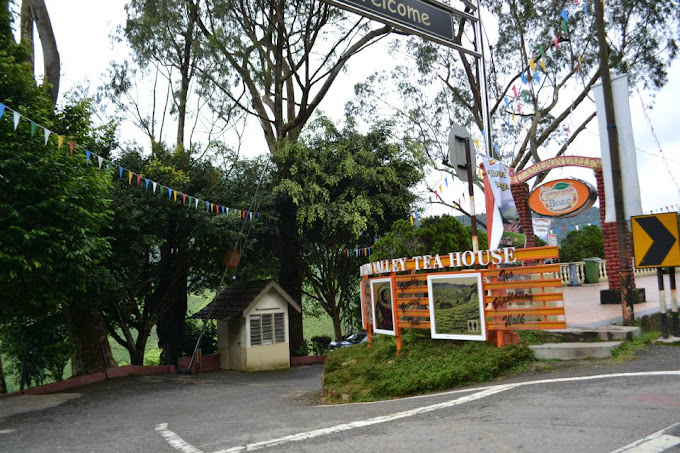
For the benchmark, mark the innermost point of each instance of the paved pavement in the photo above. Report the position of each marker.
(582, 308)
(582, 303)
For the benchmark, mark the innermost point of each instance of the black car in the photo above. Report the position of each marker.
(354, 338)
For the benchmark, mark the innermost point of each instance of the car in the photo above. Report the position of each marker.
(351, 339)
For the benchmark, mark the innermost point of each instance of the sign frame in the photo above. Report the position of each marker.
(378, 286)
(472, 279)
(583, 192)
(665, 226)
(375, 9)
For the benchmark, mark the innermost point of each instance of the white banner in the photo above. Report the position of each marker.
(499, 202)
(629, 174)
(541, 227)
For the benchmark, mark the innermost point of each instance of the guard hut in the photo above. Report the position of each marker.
(252, 325)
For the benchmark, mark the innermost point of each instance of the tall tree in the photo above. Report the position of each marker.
(144, 215)
(348, 188)
(277, 59)
(53, 207)
(165, 40)
(34, 12)
(541, 69)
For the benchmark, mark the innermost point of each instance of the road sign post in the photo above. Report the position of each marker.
(674, 302)
(656, 244)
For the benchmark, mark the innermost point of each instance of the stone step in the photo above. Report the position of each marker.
(604, 333)
(574, 350)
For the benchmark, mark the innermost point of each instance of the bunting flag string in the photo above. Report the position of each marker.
(358, 252)
(47, 134)
(530, 74)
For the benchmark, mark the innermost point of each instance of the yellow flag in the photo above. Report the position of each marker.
(477, 143)
(129, 177)
(411, 220)
(175, 196)
(532, 65)
(543, 65)
(60, 141)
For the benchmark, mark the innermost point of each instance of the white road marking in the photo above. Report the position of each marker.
(371, 421)
(655, 442)
(181, 445)
(7, 431)
(175, 441)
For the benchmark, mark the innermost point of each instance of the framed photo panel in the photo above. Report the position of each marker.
(457, 307)
(381, 306)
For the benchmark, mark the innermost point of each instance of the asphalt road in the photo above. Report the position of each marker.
(597, 407)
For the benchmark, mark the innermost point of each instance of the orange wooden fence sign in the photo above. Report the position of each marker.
(518, 292)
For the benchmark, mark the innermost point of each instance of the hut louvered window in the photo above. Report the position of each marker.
(279, 329)
(255, 331)
(267, 329)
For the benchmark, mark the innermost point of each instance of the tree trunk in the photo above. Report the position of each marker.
(337, 326)
(171, 326)
(26, 31)
(290, 268)
(87, 332)
(49, 47)
(3, 383)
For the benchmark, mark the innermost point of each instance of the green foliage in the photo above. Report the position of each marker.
(161, 243)
(320, 344)
(424, 365)
(348, 188)
(57, 357)
(584, 243)
(208, 341)
(36, 347)
(53, 210)
(440, 234)
(628, 350)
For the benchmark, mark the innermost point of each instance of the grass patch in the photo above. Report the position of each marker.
(316, 326)
(534, 337)
(359, 373)
(628, 350)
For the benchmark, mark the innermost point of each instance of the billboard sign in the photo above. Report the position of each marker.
(428, 19)
(562, 198)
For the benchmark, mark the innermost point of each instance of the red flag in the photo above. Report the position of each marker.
(71, 145)
(139, 179)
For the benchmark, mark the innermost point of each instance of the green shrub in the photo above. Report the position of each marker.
(366, 373)
(208, 341)
(320, 344)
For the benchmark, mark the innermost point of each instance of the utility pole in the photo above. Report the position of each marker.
(625, 269)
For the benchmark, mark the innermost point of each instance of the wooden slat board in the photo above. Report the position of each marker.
(521, 297)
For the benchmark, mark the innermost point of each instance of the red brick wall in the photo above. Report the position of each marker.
(520, 193)
(611, 246)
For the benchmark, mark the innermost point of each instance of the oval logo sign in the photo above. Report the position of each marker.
(562, 198)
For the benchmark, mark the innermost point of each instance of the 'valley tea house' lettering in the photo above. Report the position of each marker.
(450, 260)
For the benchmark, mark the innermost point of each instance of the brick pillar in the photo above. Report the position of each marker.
(609, 233)
(520, 193)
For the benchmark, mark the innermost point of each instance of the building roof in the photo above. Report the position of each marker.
(236, 299)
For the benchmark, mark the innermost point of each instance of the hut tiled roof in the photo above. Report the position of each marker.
(235, 299)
